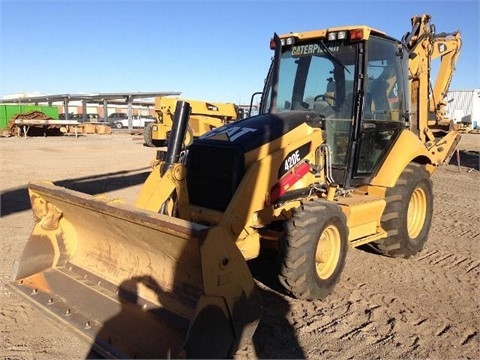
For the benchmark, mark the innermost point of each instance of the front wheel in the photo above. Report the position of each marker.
(313, 250)
(118, 125)
(408, 214)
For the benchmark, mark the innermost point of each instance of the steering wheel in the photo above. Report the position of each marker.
(324, 97)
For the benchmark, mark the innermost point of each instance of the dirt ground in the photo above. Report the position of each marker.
(426, 307)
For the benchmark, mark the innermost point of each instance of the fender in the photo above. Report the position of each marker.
(407, 148)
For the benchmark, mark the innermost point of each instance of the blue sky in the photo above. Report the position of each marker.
(208, 50)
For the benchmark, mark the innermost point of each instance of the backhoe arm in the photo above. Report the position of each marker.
(446, 46)
(428, 104)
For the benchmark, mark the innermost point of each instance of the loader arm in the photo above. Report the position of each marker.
(166, 181)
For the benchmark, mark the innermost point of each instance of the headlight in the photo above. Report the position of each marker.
(332, 36)
(342, 35)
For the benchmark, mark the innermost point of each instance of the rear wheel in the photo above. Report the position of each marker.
(147, 135)
(118, 125)
(187, 140)
(188, 137)
(408, 214)
(313, 250)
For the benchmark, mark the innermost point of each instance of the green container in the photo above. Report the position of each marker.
(9, 111)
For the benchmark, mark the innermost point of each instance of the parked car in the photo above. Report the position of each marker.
(93, 118)
(62, 116)
(120, 120)
(118, 116)
(90, 117)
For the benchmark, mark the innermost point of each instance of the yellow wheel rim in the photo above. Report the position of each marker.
(188, 139)
(328, 252)
(417, 211)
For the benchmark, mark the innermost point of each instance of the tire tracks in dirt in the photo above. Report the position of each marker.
(428, 309)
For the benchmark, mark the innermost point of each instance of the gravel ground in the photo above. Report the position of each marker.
(426, 307)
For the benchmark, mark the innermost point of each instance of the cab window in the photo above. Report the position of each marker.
(384, 91)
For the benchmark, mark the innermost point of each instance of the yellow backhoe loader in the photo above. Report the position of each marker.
(204, 116)
(341, 155)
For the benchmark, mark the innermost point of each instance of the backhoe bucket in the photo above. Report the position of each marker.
(137, 283)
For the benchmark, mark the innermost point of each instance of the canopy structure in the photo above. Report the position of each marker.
(121, 98)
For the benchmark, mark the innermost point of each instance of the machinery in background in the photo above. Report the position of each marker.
(204, 117)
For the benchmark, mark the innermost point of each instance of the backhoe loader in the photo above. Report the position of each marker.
(204, 116)
(340, 156)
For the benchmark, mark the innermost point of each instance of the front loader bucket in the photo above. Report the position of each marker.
(138, 284)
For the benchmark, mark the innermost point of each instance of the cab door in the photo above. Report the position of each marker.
(384, 112)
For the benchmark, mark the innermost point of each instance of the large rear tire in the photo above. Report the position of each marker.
(187, 140)
(313, 250)
(147, 135)
(188, 137)
(408, 214)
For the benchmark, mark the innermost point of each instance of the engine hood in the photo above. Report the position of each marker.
(258, 130)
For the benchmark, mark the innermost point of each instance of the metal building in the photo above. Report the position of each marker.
(463, 106)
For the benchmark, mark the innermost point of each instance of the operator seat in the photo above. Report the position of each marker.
(323, 108)
(379, 98)
(375, 106)
(376, 98)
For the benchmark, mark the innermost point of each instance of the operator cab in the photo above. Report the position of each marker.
(356, 80)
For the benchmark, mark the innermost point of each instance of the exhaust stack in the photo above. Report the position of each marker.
(175, 141)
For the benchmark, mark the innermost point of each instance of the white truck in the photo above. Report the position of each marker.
(120, 120)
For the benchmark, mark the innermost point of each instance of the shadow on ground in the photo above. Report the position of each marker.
(17, 200)
(275, 337)
(466, 158)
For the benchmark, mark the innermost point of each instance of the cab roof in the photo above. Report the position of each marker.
(315, 34)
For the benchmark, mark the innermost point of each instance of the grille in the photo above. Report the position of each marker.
(214, 172)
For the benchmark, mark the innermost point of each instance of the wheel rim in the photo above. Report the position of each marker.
(188, 138)
(417, 210)
(328, 252)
